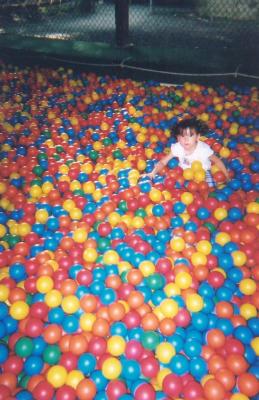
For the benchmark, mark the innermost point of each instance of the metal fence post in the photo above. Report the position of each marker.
(122, 22)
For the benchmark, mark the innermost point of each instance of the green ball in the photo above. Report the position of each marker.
(140, 213)
(24, 347)
(103, 244)
(210, 226)
(107, 141)
(38, 170)
(150, 340)
(123, 205)
(155, 281)
(93, 154)
(51, 354)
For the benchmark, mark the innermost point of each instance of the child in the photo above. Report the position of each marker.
(189, 148)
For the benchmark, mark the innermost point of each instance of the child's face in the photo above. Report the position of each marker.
(188, 139)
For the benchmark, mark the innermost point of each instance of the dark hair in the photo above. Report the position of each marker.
(191, 123)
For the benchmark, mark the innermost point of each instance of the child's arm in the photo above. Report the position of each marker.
(216, 160)
(160, 165)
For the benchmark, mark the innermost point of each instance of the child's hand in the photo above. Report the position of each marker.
(150, 175)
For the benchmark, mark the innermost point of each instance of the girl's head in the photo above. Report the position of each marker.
(187, 133)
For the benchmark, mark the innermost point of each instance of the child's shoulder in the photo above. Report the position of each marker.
(203, 145)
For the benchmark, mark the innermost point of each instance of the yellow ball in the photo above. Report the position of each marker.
(44, 284)
(75, 185)
(147, 268)
(252, 207)
(89, 187)
(183, 280)
(41, 216)
(220, 213)
(76, 214)
(164, 352)
(35, 191)
(86, 322)
(171, 289)
(255, 345)
(53, 298)
(194, 302)
(169, 308)
(4, 292)
(204, 247)
(198, 258)
(248, 311)
(3, 187)
(3, 230)
(199, 176)
(222, 238)
(239, 396)
(90, 255)
(57, 376)
(239, 258)
(74, 377)
(196, 166)
(68, 205)
(23, 229)
(116, 345)
(111, 368)
(111, 257)
(46, 187)
(188, 174)
(70, 304)
(80, 235)
(114, 218)
(224, 152)
(19, 310)
(155, 195)
(247, 286)
(187, 198)
(177, 244)
(138, 222)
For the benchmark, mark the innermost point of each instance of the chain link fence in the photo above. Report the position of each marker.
(168, 24)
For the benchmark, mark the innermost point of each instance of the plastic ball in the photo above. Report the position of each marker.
(111, 368)
(19, 310)
(194, 302)
(57, 376)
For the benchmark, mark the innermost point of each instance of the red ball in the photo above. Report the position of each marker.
(43, 391)
(115, 389)
(214, 390)
(65, 393)
(172, 385)
(145, 392)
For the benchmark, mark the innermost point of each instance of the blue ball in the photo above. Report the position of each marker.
(3, 353)
(33, 365)
(179, 364)
(86, 363)
(244, 334)
(198, 367)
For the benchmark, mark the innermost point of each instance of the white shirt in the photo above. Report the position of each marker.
(201, 153)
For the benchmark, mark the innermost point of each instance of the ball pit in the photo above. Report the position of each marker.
(113, 286)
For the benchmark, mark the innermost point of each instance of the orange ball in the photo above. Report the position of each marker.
(78, 344)
(135, 299)
(248, 384)
(9, 380)
(16, 294)
(226, 377)
(224, 309)
(214, 389)
(52, 333)
(68, 287)
(216, 338)
(150, 322)
(116, 311)
(88, 303)
(134, 277)
(86, 389)
(101, 327)
(216, 363)
(167, 326)
(237, 364)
